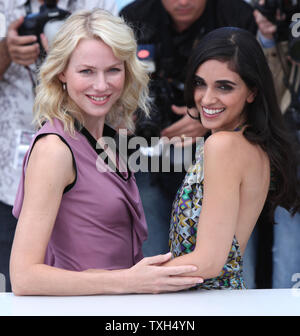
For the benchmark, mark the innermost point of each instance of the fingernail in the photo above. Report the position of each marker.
(200, 281)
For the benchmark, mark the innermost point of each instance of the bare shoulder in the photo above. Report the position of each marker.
(232, 147)
(51, 144)
(51, 148)
(51, 156)
(227, 151)
(222, 144)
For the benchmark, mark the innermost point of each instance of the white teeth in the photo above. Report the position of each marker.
(98, 98)
(212, 111)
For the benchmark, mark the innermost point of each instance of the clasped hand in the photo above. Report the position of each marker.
(150, 276)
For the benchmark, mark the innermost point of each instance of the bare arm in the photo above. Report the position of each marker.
(5, 57)
(218, 219)
(49, 171)
(276, 55)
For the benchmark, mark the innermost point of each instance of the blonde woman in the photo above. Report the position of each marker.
(80, 230)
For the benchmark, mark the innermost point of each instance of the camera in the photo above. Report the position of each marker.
(47, 20)
(284, 32)
(163, 93)
(161, 115)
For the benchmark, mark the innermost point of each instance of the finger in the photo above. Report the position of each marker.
(177, 270)
(158, 259)
(180, 110)
(184, 281)
(27, 58)
(270, 30)
(22, 62)
(177, 128)
(25, 51)
(267, 25)
(258, 16)
(18, 40)
(24, 58)
(260, 19)
(13, 37)
(44, 42)
(187, 127)
(26, 61)
(187, 141)
(16, 24)
(181, 284)
(182, 141)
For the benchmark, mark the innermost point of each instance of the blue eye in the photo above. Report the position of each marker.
(86, 71)
(114, 69)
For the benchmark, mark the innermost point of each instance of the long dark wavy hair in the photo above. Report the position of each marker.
(265, 123)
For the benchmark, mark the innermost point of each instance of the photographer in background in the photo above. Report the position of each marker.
(20, 56)
(280, 30)
(167, 30)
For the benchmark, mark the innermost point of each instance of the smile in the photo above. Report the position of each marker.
(211, 111)
(99, 99)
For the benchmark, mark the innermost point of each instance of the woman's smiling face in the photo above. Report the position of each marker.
(220, 96)
(95, 78)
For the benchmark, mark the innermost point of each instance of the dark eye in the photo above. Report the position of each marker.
(198, 82)
(225, 87)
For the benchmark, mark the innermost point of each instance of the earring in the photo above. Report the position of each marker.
(64, 86)
(191, 116)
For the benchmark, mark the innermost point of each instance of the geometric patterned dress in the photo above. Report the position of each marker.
(183, 229)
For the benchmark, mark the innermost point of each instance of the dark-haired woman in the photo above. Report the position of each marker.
(243, 168)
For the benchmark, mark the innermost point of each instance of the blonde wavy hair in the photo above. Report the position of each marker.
(54, 102)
